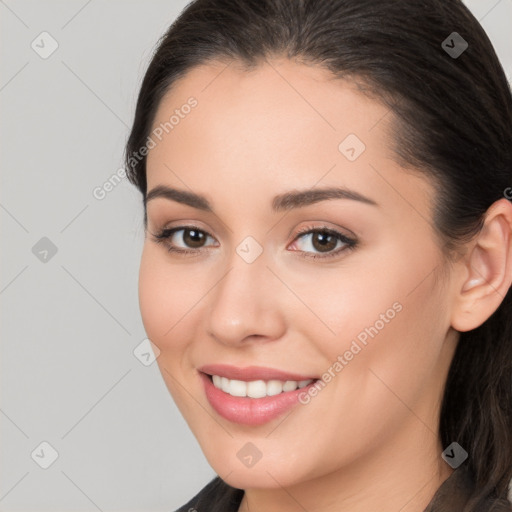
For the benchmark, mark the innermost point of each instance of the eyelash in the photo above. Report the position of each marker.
(350, 243)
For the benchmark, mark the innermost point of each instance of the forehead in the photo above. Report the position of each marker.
(285, 88)
(278, 126)
(280, 106)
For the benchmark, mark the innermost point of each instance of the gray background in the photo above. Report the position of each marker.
(70, 320)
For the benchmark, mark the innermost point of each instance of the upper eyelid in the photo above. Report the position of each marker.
(302, 231)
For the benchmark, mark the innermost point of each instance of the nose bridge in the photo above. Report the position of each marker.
(245, 302)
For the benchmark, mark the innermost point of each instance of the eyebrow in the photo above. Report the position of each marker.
(281, 202)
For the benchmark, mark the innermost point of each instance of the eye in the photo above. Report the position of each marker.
(192, 239)
(328, 242)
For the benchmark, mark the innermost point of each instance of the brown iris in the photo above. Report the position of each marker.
(323, 241)
(193, 238)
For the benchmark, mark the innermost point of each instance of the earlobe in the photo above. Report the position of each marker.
(486, 271)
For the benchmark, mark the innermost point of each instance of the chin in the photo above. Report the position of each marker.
(270, 473)
(258, 478)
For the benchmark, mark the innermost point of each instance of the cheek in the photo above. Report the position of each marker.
(387, 319)
(153, 302)
(384, 355)
(364, 300)
(165, 296)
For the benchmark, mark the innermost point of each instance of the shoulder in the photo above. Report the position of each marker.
(215, 496)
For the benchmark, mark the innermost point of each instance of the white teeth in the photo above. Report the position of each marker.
(238, 388)
(257, 388)
(290, 385)
(274, 387)
(224, 384)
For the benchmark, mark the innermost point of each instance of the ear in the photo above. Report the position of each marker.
(485, 271)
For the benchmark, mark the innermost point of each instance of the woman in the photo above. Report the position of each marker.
(328, 261)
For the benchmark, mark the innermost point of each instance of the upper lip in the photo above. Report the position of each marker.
(250, 373)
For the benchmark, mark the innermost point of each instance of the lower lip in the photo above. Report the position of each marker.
(250, 411)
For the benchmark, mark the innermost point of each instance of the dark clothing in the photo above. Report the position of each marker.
(216, 495)
(452, 496)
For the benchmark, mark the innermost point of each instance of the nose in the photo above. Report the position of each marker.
(246, 304)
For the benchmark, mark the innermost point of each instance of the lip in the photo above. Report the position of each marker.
(251, 411)
(249, 373)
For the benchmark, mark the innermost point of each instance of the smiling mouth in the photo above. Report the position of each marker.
(252, 402)
(257, 388)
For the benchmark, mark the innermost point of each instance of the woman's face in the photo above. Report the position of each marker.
(265, 285)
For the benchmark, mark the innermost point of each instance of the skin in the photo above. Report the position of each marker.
(368, 440)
